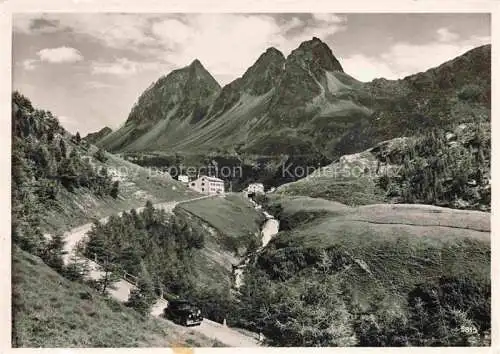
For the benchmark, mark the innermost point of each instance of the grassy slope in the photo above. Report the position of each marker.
(226, 222)
(351, 191)
(352, 179)
(344, 181)
(51, 311)
(231, 215)
(137, 185)
(392, 247)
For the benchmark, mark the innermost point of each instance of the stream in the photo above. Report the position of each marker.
(269, 229)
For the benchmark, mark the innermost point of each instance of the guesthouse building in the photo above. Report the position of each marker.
(207, 185)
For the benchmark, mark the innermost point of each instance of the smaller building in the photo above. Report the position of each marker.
(207, 185)
(183, 179)
(254, 188)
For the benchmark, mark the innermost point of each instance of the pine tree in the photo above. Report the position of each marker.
(63, 148)
(142, 298)
(54, 252)
(76, 269)
(100, 156)
(115, 189)
(105, 283)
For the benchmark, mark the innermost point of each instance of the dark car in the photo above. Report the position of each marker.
(183, 312)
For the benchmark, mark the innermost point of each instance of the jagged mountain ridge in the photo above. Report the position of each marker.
(96, 136)
(306, 104)
(181, 97)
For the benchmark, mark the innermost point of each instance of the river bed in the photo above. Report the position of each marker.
(269, 230)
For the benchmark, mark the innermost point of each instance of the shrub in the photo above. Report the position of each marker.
(470, 92)
(100, 156)
(142, 298)
(115, 189)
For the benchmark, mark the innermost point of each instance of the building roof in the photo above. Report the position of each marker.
(213, 179)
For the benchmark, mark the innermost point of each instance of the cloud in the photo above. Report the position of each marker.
(27, 24)
(445, 35)
(221, 41)
(29, 64)
(98, 85)
(367, 68)
(172, 31)
(403, 59)
(113, 29)
(294, 23)
(122, 67)
(328, 17)
(60, 55)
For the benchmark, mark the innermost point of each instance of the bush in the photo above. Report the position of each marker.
(115, 189)
(142, 298)
(76, 270)
(53, 253)
(470, 92)
(100, 156)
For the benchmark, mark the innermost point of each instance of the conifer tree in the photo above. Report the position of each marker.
(54, 252)
(115, 189)
(143, 297)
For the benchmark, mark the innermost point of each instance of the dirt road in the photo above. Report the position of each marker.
(122, 288)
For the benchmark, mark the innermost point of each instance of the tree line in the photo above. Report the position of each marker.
(443, 169)
(45, 161)
(156, 246)
(296, 298)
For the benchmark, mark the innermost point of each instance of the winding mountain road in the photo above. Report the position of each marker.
(122, 288)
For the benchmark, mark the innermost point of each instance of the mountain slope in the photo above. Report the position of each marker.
(60, 182)
(74, 315)
(445, 168)
(169, 105)
(361, 269)
(246, 107)
(306, 104)
(93, 138)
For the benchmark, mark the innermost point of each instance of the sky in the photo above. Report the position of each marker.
(89, 69)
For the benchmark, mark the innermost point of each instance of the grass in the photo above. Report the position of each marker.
(229, 224)
(232, 216)
(350, 191)
(350, 181)
(389, 247)
(51, 311)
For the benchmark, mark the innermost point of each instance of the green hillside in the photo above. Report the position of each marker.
(51, 311)
(60, 182)
(280, 114)
(232, 229)
(444, 167)
(362, 267)
(232, 216)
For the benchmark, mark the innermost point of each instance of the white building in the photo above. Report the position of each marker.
(255, 188)
(183, 179)
(207, 185)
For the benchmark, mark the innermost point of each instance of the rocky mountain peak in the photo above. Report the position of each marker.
(187, 90)
(262, 75)
(259, 79)
(93, 138)
(196, 63)
(316, 53)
